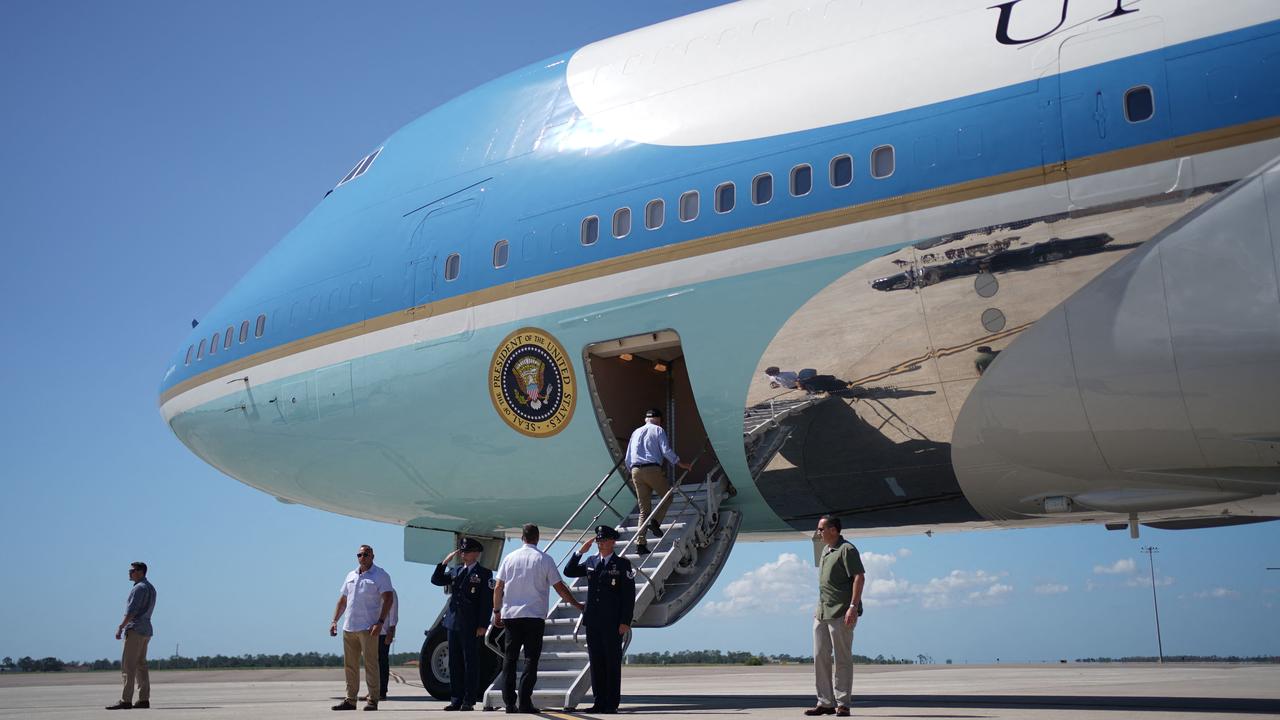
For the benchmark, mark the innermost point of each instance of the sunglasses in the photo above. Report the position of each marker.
(364, 554)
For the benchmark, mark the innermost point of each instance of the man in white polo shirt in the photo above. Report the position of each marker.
(366, 598)
(520, 605)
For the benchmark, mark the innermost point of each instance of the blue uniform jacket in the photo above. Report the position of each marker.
(470, 598)
(611, 589)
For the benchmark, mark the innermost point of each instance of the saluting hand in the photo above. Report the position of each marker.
(586, 546)
(449, 558)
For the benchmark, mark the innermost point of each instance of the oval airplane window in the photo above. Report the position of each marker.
(261, 326)
(452, 266)
(200, 350)
(762, 189)
(244, 331)
(1139, 104)
(622, 222)
(882, 162)
(655, 213)
(190, 350)
(228, 337)
(689, 206)
(801, 180)
(726, 197)
(501, 252)
(841, 171)
(213, 343)
(590, 230)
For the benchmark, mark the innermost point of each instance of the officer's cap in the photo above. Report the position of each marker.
(604, 532)
(467, 544)
(653, 412)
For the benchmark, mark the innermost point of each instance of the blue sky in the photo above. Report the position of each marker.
(153, 151)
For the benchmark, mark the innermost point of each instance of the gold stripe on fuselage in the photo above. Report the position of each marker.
(1211, 141)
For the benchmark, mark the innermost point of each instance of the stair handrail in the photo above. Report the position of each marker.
(594, 493)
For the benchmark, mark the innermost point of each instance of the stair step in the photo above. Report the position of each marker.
(666, 528)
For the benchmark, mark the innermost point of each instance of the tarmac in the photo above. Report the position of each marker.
(1035, 692)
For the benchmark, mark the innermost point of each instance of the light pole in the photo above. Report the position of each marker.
(1150, 551)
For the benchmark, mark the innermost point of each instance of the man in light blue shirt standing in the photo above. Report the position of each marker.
(135, 629)
(646, 450)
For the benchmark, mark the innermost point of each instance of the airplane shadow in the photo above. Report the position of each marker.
(668, 704)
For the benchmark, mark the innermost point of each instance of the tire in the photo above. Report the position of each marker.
(433, 665)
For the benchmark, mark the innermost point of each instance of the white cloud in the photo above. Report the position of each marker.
(1050, 589)
(943, 592)
(991, 596)
(1119, 567)
(1219, 593)
(786, 585)
(1145, 581)
(904, 553)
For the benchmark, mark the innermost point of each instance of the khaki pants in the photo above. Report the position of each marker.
(133, 666)
(833, 637)
(355, 645)
(646, 481)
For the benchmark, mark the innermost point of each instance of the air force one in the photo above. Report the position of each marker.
(1010, 264)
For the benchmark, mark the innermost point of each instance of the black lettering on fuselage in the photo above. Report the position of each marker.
(1006, 14)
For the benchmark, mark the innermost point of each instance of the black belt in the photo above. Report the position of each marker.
(646, 465)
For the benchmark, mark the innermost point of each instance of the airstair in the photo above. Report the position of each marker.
(682, 565)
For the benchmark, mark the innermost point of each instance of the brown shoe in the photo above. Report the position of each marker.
(371, 706)
(344, 705)
(842, 711)
(820, 710)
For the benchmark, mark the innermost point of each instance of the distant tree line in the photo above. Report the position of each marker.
(719, 657)
(203, 662)
(1272, 659)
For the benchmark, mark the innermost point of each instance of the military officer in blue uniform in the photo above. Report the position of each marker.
(611, 600)
(466, 619)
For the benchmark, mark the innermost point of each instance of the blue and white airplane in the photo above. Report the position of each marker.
(1011, 264)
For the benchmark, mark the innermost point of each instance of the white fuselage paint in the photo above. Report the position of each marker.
(763, 68)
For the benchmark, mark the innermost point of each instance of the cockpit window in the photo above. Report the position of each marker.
(361, 168)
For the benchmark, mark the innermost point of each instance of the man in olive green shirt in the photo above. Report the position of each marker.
(840, 580)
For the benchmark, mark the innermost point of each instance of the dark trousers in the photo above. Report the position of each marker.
(521, 633)
(464, 667)
(604, 648)
(384, 667)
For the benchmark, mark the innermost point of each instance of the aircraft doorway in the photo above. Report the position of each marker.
(628, 376)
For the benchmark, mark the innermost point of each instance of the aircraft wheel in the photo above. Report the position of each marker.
(433, 663)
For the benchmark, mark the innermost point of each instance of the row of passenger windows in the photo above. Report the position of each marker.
(689, 206)
(1139, 106)
(225, 339)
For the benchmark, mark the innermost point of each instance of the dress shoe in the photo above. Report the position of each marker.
(451, 707)
(344, 705)
(655, 529)
(820, 710)
(142, 705)
(642, 550)
(530, 710)
(122, 705)
(371, 706)
(842, 711)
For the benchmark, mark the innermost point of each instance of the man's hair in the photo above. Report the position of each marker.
(833, 521)
(772, 370)
(367, 547)
(139, 566)
(529, 534)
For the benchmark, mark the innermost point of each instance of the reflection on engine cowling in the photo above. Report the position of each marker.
(1154, 388)
(854, 406)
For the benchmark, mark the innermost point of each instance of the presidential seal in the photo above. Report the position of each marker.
(531, 383)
